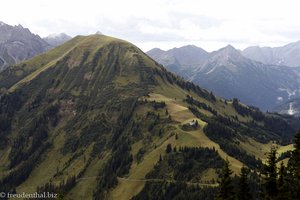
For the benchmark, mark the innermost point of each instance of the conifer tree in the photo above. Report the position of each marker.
(244, 189)
(270, 175)
(281, 175)
(283, 184)
(294, 169)
(160, 158)
(169, 148)
(225, 184)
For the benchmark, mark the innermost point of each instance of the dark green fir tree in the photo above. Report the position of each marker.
(294, 169)
(270, 175)
(226, 189)
(244, 188)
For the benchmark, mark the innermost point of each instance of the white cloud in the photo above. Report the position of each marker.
(163, 23)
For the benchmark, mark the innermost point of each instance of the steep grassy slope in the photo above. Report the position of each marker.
(95, 119)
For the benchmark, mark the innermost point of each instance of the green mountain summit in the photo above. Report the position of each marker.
(96, 118)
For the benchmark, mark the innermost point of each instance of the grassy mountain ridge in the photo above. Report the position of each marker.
(91, 119)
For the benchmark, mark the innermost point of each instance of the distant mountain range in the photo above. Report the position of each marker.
(256, 75)
(228, 73)
(288, 55)
(57, 39)
(18, 44)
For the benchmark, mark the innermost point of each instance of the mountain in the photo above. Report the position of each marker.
(286, 55)
(180, 59)
(185, 56)
(291, 107)
(57, 39)
(229, 74)
(18, 44)
(96, 118)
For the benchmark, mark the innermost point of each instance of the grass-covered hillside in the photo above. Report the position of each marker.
(96, 118)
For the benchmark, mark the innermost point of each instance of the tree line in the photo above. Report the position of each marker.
(274, 183)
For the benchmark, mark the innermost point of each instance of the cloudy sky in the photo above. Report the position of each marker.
(210, 24)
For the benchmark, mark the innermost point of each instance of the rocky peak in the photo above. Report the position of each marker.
(57, 39)
(18, 44)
